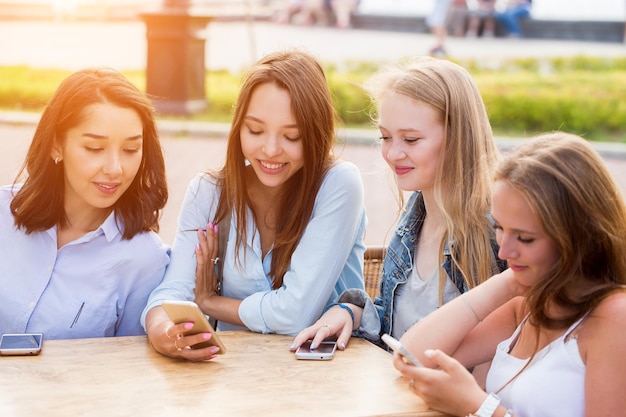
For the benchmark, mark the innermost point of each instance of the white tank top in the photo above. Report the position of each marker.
(553, 385)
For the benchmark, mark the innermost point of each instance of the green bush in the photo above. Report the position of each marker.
(582, 95)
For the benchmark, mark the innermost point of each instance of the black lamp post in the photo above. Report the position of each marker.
(175, 72)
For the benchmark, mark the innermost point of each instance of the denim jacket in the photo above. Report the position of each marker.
(397, 267)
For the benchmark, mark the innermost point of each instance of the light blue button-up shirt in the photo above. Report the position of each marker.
(327, 261)
(95, 286)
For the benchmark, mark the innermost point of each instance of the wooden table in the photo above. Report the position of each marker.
(258, 376)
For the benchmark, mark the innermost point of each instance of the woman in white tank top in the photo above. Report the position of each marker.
(552, 325)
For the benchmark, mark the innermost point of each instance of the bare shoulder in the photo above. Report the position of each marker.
(612, 308)
(602, 347)
(606, 322)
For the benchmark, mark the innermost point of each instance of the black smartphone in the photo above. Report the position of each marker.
(21, 344)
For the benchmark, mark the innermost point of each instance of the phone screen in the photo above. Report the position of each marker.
(324, 347)
(21, 344)
(325, 351)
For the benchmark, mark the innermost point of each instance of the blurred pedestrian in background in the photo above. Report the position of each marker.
(482, 19)
(510, 17)
(436, 22)
(456, 19)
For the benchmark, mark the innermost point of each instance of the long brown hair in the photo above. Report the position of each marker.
(301, 75)
(463, 182)
(582, 210)
(38, 205)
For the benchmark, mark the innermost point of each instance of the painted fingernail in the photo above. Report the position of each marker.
(188, 326)
(313, 345)
(343, 345)
(206, 336)
(293, 346)
(215, 228)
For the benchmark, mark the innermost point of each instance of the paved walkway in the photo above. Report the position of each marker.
(193, 147)
(235, 45)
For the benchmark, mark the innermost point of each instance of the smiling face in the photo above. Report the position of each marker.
(101, 157)
(412, 136)
(529, 251)
(270, 138)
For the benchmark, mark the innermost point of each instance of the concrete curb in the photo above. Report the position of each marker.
(209, 130)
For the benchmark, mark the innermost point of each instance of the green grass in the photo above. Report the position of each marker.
(582, 95)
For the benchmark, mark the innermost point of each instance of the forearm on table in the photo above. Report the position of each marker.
(222, 309)
(458, 318)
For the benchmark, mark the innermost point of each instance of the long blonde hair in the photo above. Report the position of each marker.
(463, 183)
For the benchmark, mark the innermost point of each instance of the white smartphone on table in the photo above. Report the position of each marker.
(21, 344)
(398, 347)
(186, 311)
(325, 351)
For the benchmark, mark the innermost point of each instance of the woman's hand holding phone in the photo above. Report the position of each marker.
(404, 353)
(177, 339)
(448, 386)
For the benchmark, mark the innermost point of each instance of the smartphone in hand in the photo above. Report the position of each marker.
(325, 351)
(21, 344)
(188, 311)
(395, 344)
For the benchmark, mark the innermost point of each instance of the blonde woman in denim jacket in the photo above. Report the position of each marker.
(436, 137)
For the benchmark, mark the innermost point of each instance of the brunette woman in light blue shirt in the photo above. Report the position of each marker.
(295, 238)
(80, 253)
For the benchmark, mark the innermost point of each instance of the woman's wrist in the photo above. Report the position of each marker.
(491, 407)
(348, 309)
(204, 302)
(488, 407)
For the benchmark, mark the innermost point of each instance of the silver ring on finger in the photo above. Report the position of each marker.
(328, 327)
(215, 260)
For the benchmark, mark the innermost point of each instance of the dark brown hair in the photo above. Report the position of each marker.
(38, 205)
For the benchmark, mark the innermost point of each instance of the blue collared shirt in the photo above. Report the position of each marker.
(327, 260)
(95, 286)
